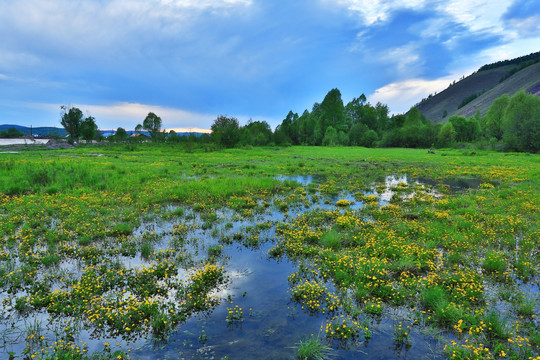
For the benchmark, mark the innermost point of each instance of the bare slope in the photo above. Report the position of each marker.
(527, 79)
(484, 83)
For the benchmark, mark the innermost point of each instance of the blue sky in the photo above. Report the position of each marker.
(191, 60)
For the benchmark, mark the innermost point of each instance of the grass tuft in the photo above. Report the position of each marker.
(313, 349)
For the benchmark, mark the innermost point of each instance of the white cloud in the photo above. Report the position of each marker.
(90, 27)
(406, 59)
(401, 96)
(373, 11)
(526, 27)
(476, 15)
(134, 113)
(128, 115)
(510, 50)
(204, 4)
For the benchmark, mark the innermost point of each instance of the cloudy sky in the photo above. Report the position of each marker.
(191, 60)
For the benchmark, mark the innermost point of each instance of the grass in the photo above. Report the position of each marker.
(446, 259)
(313, 349)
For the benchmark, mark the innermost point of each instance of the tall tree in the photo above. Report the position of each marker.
(256, 133)
(330, 137)
(152, 123)
(414, 118)
(355, 109)
(121, 134)
(89, 129)
(289, 128)
(333, 111)
(226, 131)
(447, 135)
(356, 133)
(302, 128)
(382, 117)
(71, 120)
(522, 123)
(494, 117)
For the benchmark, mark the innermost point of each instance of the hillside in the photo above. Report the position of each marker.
(54, 131)
(527, 79)
(482, 88)
(36, 131)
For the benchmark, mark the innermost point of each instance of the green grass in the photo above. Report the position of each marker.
(495, 263)
(331, 240)
(434, 298)
(313, 349)
(446, 260)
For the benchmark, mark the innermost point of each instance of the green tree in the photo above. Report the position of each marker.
(414, 118)
(354, 110)
(304, 128)
(356, 133)
(521, 123)
(382, 117)
(71, 120)
(288, 130)
(89, 129)
(396, 121)
(416, 132)
(333, 111)
(473, 129)
(343, 138)
(152, 123)
(460, 127)
(11, 133)
(495, 115)
(226, 131)
(256, 133)
(447, 135)
(121, 134)
(330, 137)
(369, 138)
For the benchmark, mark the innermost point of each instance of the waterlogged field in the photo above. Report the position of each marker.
(153, 252)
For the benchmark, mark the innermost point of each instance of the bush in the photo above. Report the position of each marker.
(521, 123)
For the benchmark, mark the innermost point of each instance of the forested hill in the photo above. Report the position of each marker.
(477, 92)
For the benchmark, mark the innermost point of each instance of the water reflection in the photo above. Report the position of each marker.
(301, 179)
(272, 325)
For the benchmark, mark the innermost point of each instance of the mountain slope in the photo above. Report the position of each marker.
(527, 79)
(40, 131)
(483, 87)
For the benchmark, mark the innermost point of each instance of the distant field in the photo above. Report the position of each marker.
(148, 251)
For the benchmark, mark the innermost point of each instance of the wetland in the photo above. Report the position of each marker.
(149, 251)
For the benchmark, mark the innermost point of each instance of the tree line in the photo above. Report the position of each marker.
(79, 127)
(512, 123)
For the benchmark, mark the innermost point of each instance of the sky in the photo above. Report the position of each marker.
(189, 61)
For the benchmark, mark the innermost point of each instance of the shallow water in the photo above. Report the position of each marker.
(272, 324)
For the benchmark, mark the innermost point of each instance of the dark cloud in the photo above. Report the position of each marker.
(242, 59)
(524, 17)
(522, 9)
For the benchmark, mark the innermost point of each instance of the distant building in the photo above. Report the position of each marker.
(134, 135)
